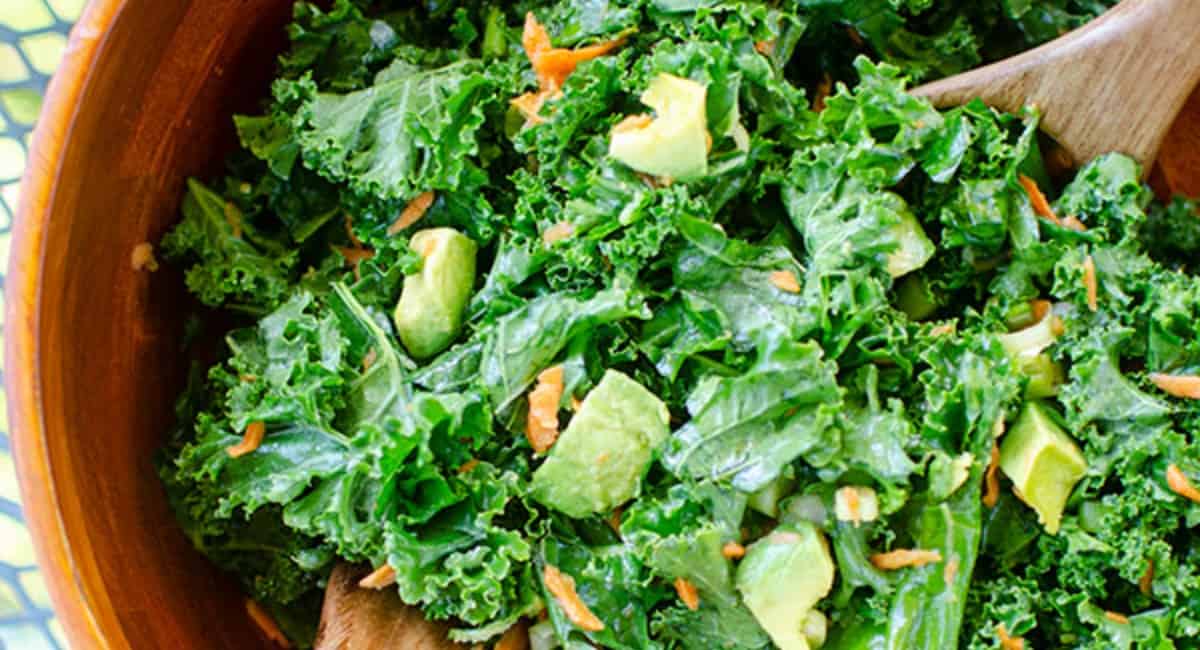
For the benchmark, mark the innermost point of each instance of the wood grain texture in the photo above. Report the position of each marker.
(1114, 85)
(353, 618)
(93, 362)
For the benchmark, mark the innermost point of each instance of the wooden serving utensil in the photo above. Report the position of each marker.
(356, 618)
(1115, 84)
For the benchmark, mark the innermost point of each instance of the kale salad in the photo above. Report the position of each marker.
(653, 324)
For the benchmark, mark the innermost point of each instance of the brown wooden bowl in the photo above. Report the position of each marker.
(142, 101)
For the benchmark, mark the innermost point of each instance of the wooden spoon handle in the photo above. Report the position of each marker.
(1115, 84)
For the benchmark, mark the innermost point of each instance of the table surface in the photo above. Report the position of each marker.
(33, 36)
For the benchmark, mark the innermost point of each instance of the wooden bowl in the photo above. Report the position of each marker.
(142, 101)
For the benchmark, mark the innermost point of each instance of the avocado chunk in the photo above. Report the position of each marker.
(598, 461)
(766, 499)
(1026, 349)
(783, 576)
(430, 312)
(675, 142)
(1043, 462)
(914, 248)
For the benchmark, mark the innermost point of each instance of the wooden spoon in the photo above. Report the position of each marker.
(1115, 84)
(354, 618)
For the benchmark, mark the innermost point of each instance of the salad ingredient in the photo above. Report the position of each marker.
(598, 461)
(429, 314)
(783, 576)
(1043, 463)
(675, 143)
(544, 402)
(562, 587)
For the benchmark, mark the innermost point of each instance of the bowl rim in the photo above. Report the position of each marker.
(57, 557)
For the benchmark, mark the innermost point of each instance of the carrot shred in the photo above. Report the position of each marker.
(950, 572)
(1179, 484)
(766, 48)
(785, 281)
(516, 638)
(1074, 224)
(355, 257)
(384, 576)
(530, 106)
(1039, 309)
(142, 258)
(562, 587)
(558, 232)
(687, 593)
(733, 550)
(1040, 205)
(542, 422)
(412, 212)
(855, 37)
(633, 123)
(1117, 618)
(466, 467)
(849, 496)
(266, 624)
(991, 482)
(1090, 284)
(903, 557)
(553, 65)
(1146, 582)
(251, 440)
(369, 359)
(354, 240)
(945, 329)
(1185, 386)
(1009, 642)
(614, 520)
(823, 91)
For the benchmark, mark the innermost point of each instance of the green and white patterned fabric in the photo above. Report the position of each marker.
(33, 36)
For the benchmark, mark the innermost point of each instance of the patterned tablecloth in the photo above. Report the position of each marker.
(33, 35)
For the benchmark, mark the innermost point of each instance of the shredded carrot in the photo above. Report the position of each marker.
(765, 48)
(251, 439)
(266, 624)
(823, 91)
(1040, 205)
(991, 492)
(412, 212)
(614, 520)
(466, 467)
(1009, 642)
(1117, 618)
(1074, 224)
(142, 258)
(950, 572)
(384, 576)
(785, 281)
(354, 240)
(1185, 386)
(542, 423)
(687, 593)
(1089, 283)
(558, 232)
(633, 123)
(576, 403)
(733, 550)
(855, 37)
(1179, 484)
(530, 106)
(903, 557)
(248, 378)
(355, 257)
(1146, 582)
(516, 638)
(562, 587)
(945, 329)
(234, 218)
(1040, 308)
(369, 359)
(554, 64)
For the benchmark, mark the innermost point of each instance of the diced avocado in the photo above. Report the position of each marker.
(915, 248)
(766, 500)
(430, 312)
(913, 298)
(783, 576)
(948, 473)
(816, 628)
(598, 461)
(675, 143)
(1025, 347)
(1043, 462)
